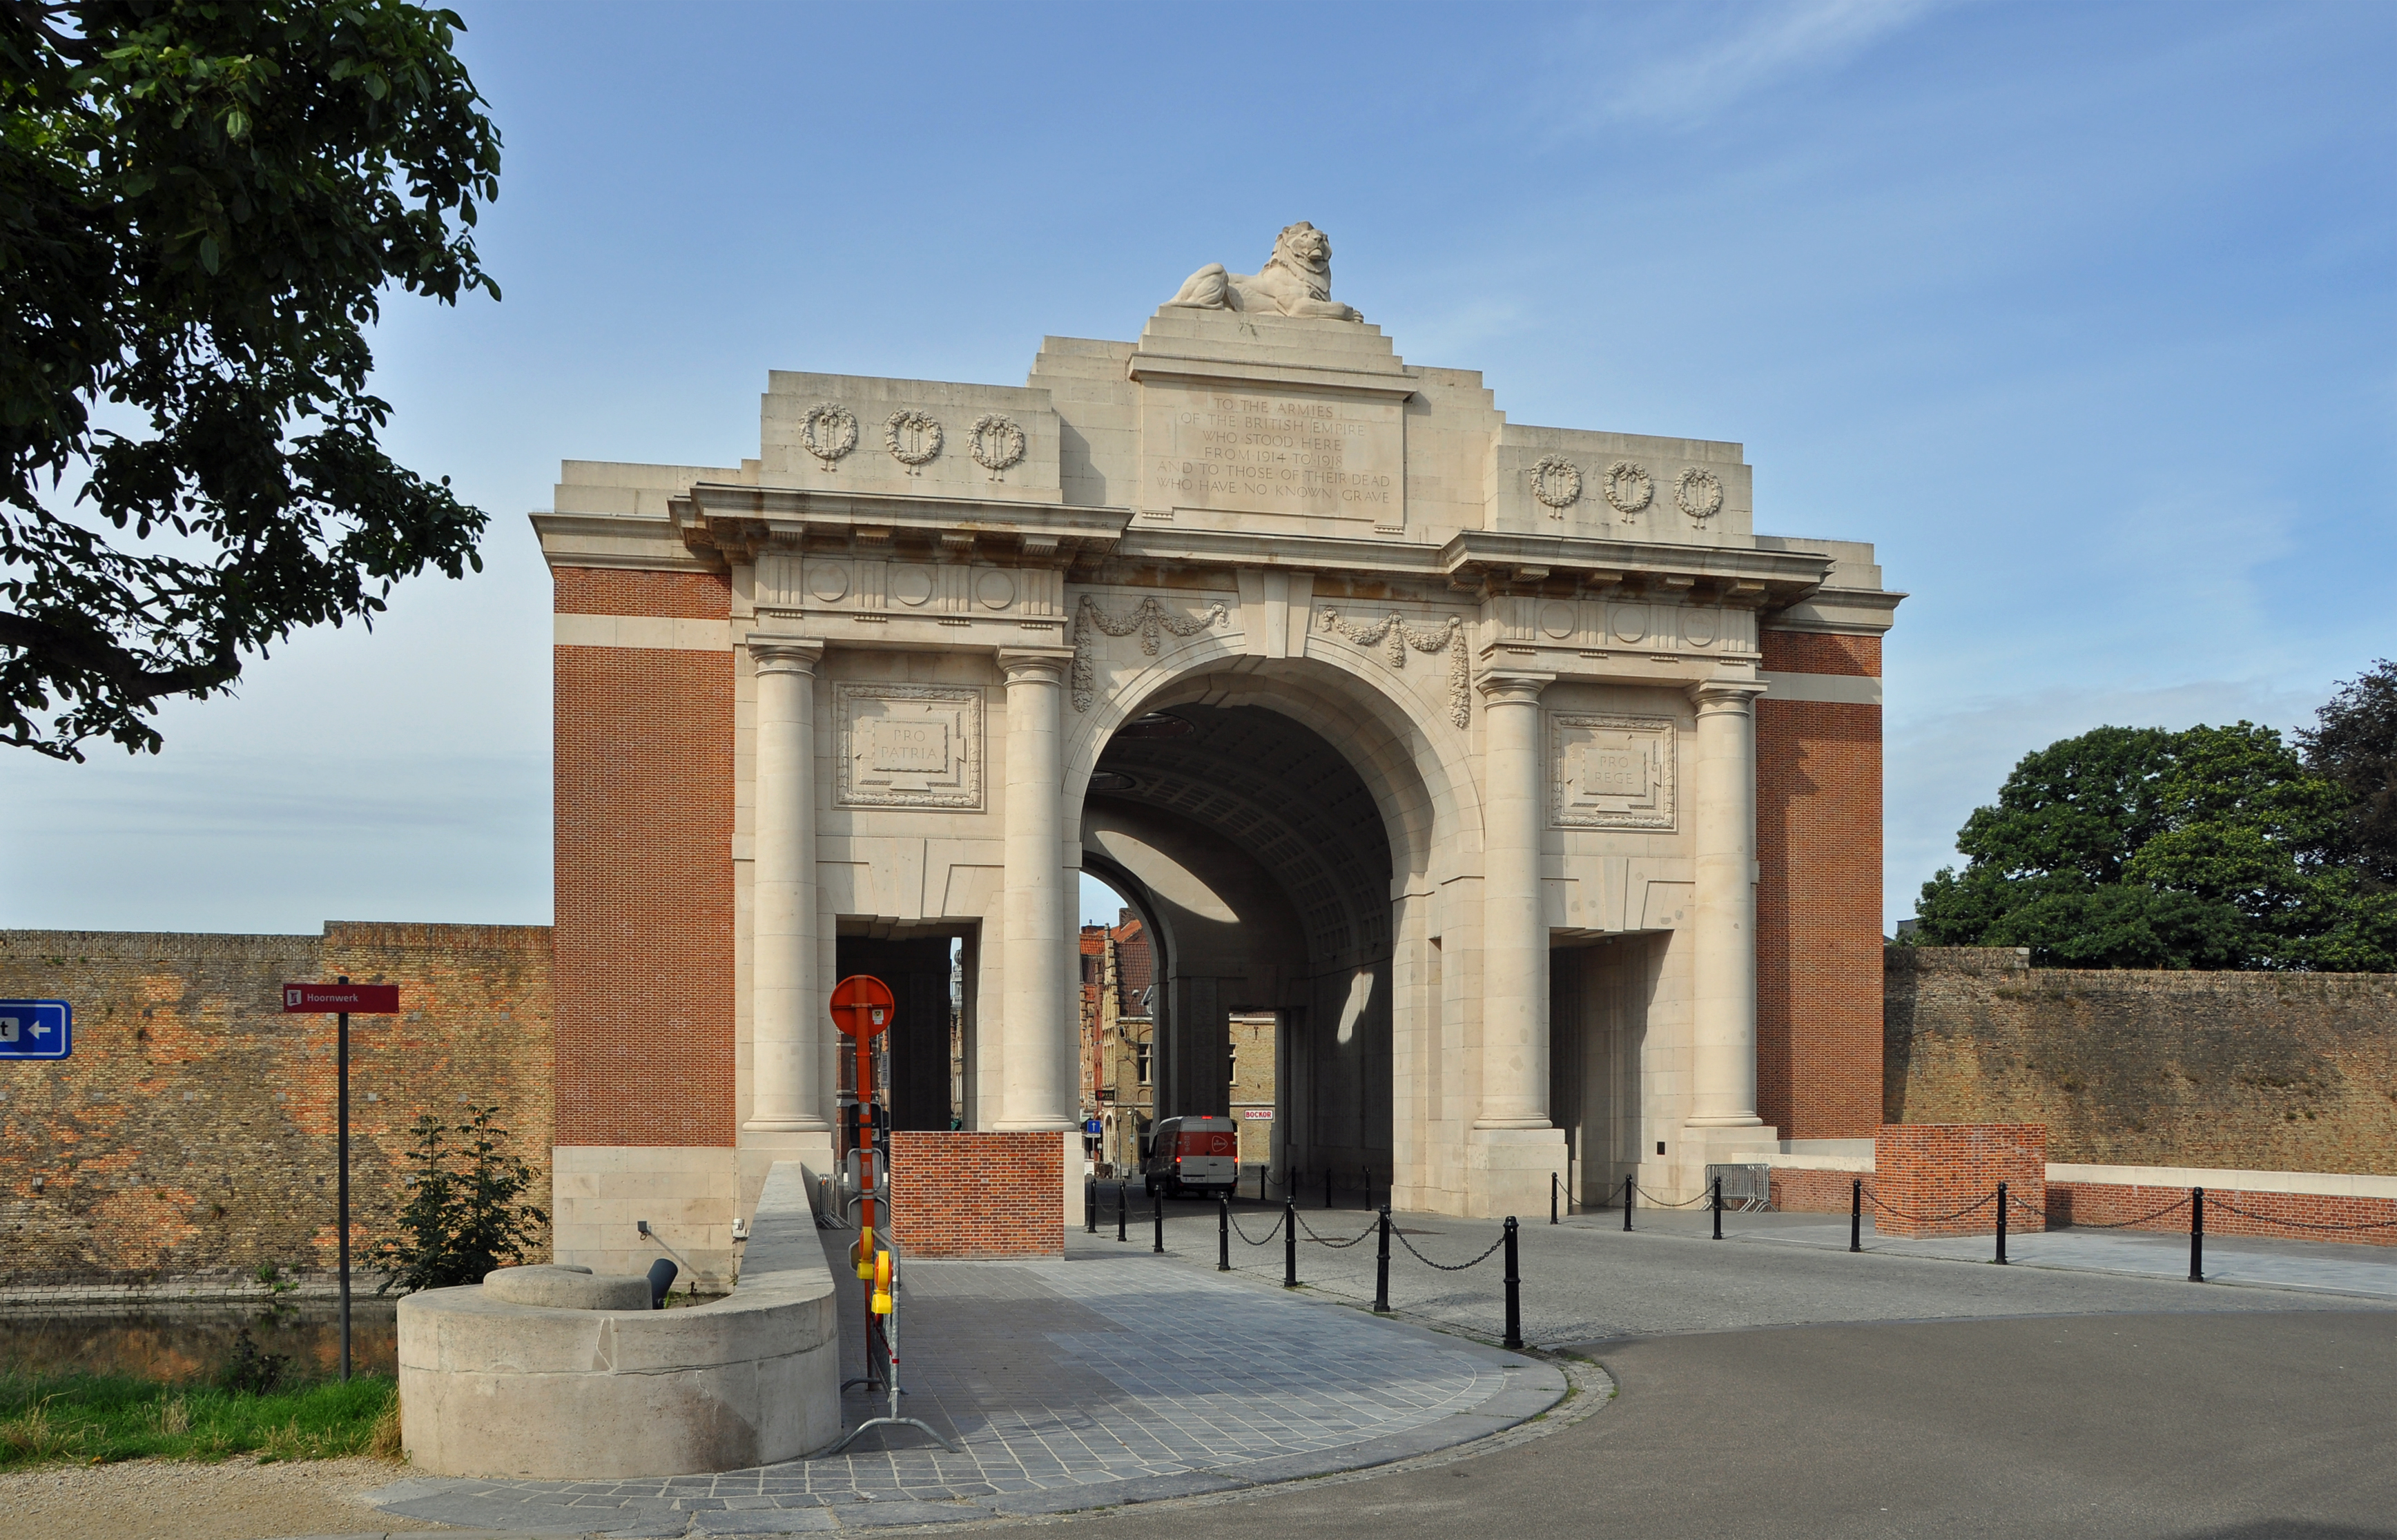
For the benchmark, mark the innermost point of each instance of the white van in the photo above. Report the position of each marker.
(1187, 1155)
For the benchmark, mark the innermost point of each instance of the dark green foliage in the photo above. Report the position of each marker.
(251, 1371)
(464, 1213)
(200, 207)
(2353, 745)
(2136, 847)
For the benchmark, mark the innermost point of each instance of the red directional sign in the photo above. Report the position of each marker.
(863, 1005)
(358, 999)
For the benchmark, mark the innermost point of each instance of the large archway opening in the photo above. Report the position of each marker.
(1260, 864)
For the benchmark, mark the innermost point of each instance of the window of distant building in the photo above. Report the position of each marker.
(1140, 1055)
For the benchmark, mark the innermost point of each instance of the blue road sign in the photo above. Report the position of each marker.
(1093, 1127)
(36, 1029)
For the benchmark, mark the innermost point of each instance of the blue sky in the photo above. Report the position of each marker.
(2081, 313)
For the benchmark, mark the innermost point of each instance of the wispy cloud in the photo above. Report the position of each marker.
(1679, 73)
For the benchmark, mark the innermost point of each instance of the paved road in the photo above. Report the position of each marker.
(2192, 1426)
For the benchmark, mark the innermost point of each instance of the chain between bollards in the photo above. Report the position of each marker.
(1718, 1207)
(2001, 1224)
(1290, 1242)
(1514, 1292)
(2197, 1235)
(1856, 1216)
(1223, 1234)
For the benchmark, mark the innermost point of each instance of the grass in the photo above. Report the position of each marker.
(95, 1419)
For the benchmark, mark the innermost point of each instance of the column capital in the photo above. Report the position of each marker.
(1038, 666)
(1513, 689)
(1725, 693)
(784, 654)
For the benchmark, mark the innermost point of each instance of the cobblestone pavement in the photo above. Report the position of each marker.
(1068, 1384)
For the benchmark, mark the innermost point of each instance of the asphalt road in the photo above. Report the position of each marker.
(2247, 1424)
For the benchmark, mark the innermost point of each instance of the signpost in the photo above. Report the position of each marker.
(340, 999)
(862, 1007)
(36, 1029)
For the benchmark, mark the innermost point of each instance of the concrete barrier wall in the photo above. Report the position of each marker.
(488, 1388)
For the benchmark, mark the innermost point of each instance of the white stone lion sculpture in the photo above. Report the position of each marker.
(1296, 281)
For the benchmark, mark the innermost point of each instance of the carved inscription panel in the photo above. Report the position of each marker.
(1245, 450)
(1611, 773)
(910, 745)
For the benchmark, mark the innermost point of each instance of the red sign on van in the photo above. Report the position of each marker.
(1200, 1145)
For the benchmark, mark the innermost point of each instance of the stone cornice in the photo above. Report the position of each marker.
(1146, 366)
(740, 521)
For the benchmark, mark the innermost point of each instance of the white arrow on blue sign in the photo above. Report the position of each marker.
(36, 1029)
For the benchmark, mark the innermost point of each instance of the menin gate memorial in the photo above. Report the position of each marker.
(1536, 792)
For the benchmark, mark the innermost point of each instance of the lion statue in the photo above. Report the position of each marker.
(1296, 281)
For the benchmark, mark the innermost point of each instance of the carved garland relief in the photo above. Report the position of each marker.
(1700, 494)
(1629, 488)
(1611, 773)
(913, 437)
(910, 745)
(1556, 481)
(1394, 635)
(996, 443)
(1152, 620)
(828, 431)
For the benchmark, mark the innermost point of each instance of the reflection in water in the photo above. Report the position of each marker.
(193, 1342)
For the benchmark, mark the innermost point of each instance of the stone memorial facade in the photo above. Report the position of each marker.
(1535, 792)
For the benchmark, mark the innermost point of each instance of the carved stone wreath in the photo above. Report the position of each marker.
(1556, 482)
(928, 436)
(1394, 635)
(1629, 488)
(1700, 494)
(827, 432)
(995, 442)
(1149, 618)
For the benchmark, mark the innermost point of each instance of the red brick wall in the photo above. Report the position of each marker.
(644, 855)
(1819, 937)
(978, 1194)
(1924, 1172)
(2103, 1203)
(1815, 1191)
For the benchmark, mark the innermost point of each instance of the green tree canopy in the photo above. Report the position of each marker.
(201, 205)
(2136, 847)
(2353, 745)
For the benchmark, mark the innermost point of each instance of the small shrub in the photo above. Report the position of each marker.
(251, 1370)
(386, 1440)
(466, 1213)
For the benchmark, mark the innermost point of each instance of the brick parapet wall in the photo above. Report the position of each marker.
(1930, 1179)
(2282, 1215)
(978, 1193)
(192, 1134)
(1800, 1191)
(1818, 935)
(2243, 1071)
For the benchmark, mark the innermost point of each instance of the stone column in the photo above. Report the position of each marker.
(783, 1004)
(1514, 930)
(1722, 1070)
(1039, 1023)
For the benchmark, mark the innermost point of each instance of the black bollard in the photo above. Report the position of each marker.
(2197, 1235)
(1553, 1185)
(1091, 1205)
(1381, 1268)
(2001, 1224)
(1514, 1292)
(1856, 1216)
(1290, 1242)
(1124, 1202)
(1223, 1234)
(1156, 1211)
(1718, 1207)
(1626, 1204)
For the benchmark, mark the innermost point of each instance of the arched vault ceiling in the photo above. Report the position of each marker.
(1288, 798)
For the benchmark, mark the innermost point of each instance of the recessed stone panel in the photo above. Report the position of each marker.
(1611, 773)
(910, 745)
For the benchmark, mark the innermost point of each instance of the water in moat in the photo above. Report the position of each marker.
(180, 1343)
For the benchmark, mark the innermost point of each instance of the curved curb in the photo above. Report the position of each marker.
(1520, 1410)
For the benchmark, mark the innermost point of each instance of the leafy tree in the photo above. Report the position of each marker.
(2136, 847)
(2353, 745)
(459, 1221)
(201, 203)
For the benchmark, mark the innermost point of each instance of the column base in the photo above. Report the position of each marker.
(1507, 1171)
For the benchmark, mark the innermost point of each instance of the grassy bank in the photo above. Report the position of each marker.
(88, 1419)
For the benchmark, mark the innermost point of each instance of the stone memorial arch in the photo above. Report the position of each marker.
(1536, 791)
